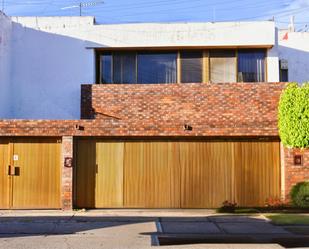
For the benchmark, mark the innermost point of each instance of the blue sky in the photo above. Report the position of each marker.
(124, 11)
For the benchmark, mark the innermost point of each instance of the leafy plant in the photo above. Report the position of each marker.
(228, 207)
(300, 195)
(294, 116)
(275, 203)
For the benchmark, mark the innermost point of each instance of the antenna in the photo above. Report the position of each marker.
(81, 5)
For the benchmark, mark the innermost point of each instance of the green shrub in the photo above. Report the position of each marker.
(300, 195)
(294, 116)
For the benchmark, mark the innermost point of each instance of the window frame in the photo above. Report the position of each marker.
(206, 77)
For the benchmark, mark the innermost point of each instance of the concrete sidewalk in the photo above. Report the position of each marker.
(111, 213)
(138, 229)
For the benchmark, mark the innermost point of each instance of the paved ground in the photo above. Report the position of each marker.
(137, 229)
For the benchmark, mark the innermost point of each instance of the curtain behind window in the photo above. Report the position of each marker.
(106, 68)
(156, 67)
(222, 66)
(251, 66)
(124, 68)
(191, 66)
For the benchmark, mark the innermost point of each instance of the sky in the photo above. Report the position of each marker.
(128, 11)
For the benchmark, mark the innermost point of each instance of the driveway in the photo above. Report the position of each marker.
(138, 229)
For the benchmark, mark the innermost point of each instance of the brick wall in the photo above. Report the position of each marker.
(231, 109)
(67, 173)
(295, 173)
(248, 109)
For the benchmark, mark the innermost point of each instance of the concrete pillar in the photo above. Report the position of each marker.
(67, 173)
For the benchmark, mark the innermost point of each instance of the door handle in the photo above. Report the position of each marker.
(16, 171)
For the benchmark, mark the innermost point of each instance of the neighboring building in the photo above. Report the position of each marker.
(184, 115)
(293, 51)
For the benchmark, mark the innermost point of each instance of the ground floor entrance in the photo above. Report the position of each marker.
(175, 173)
(30, 173)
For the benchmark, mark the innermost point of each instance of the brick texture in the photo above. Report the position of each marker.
(295, 173)
(67, 174)
(236, 109)
(231, 109)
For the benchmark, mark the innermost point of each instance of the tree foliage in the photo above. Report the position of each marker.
(294, 116)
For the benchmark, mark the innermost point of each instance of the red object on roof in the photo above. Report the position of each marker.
(286, 36)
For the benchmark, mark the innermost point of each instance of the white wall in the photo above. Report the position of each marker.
(273, 61)
(5, 42)
(51, 56)
(295, 49)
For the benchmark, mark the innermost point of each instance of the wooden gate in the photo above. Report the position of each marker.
(30, 173)
(176, 174)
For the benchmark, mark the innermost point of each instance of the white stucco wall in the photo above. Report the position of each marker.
(52, 56)
(5, 43)
(295, 49)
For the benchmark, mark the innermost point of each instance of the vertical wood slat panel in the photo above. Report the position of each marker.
(257, 172)
(151, 175)
(4, 178)
(109, 177)
(206, 172)
(192, 174)
(38, 182)
(85, 182)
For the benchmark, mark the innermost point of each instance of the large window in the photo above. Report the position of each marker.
(251, 65)
(222, 66)
(106, 68)
(182, 66)
(157, 67)
(124, 68)
(191, 66)
(128, 68)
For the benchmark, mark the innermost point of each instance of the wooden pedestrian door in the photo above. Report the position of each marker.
(29, 173)
(175, 174)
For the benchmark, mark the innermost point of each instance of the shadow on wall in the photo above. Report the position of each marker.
(47, 70)
(298, 63)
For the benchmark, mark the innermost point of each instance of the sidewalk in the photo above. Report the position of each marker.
(142, 229)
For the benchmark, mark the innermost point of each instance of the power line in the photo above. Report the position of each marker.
(82, 5)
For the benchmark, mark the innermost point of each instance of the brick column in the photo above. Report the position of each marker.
(67, 173)
(295, 173)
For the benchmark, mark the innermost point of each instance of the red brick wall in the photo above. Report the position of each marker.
(295, 173)
(231, 109)
(237, 109)
(67, 173)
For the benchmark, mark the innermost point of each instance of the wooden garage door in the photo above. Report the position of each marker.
(151, 175)
(99, 174)
(5, 179)
(30, 170)
(257, 172)
(176, 174)
(206, 173)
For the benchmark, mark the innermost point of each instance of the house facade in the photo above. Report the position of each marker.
(175, 115)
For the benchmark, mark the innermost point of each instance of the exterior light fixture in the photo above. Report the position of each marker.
(187, 127)
(298, 160)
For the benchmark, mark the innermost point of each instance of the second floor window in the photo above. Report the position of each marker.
(251, 65)
(156, 68)
(182, 66)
